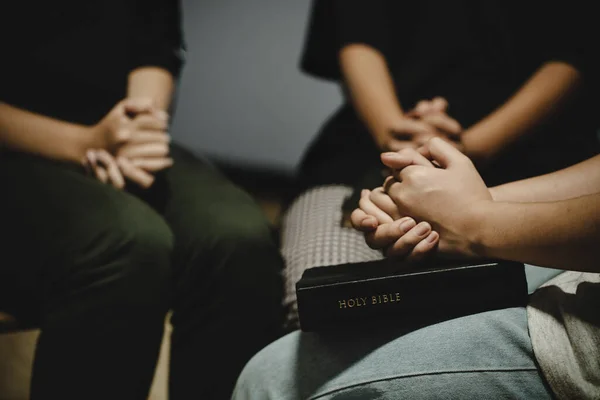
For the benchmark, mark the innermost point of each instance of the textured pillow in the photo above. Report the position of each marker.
(313, 236)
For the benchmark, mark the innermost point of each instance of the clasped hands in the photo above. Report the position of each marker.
(433, 200)
(132, 144)
(428, 119)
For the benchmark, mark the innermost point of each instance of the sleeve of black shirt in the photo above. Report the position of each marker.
(566, 33)
(156, 36)
(335, 24)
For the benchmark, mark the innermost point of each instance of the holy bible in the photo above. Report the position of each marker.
(388, 292)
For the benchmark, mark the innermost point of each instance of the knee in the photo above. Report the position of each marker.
(137, 248)
(273, 372)
(243, 225)
(243, 252)
(259, 380)
(241, 230)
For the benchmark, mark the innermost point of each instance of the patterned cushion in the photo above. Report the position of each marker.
(313, 236)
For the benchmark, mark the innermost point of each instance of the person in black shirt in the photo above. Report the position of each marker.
(106, 226)
(511, 73)
(506, 82)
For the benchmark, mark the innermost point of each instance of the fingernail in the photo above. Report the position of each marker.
(407, 225)
(391, 154)
(422, 229)
(433, 236)
(369, 222)
(364, 192)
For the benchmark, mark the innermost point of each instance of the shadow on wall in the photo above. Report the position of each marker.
(243, 99)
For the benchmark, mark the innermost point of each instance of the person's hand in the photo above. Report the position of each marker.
(375, 206)
(403, 132)
(435, 113)
(108, 169)
(116, 128)
(148, 145)
(136, 130)
(450, 197)
(103, 166)
(427, 120)
(402, 238)
(134, 140)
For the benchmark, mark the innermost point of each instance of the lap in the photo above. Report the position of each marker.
(57, 222)
(215, 224)
(201, 202)
(486, 355)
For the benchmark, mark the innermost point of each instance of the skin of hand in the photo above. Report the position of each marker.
(402, 132)
(441, 186)
(402, 238)
(427, 120)
(136, 144)
(556, 226)
(420, 189)
(108, 169)
(435, 113)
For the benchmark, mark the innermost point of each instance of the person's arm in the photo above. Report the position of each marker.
(371, 88)
(558, 234)
(24, 131)
(534, 103)
(156, 50)
(152, 83)
(563, 234)
(579, 180)
(362, 32)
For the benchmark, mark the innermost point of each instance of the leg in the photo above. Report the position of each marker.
(228, 280)
(90, 266)
(482, 356)
(312, 236)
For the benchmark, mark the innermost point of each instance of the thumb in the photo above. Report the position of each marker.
(442, 152)
(138, 105)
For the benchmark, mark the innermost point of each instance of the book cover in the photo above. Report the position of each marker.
(391, 292)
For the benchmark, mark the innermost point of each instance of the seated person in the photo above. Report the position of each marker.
(437, 202)
(506, 85)
(106, 226)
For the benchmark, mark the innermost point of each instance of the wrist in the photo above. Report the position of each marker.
(383, 126)
(473, 146)
(87, 138)
(478, 228)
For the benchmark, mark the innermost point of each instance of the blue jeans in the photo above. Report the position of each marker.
(482, 356)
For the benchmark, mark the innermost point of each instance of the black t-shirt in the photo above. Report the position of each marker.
(474, 53)
(69, 59)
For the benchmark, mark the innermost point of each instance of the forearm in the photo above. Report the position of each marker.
(152, 82)
(563, 234)
(24, 131)
(371, 86)
(533, 104)
(579, 180)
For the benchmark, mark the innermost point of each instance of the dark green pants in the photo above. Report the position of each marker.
(97, 269)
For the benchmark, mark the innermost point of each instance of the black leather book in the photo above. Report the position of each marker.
(388, 292)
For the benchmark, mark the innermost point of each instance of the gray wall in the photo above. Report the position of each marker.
(243, 98)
